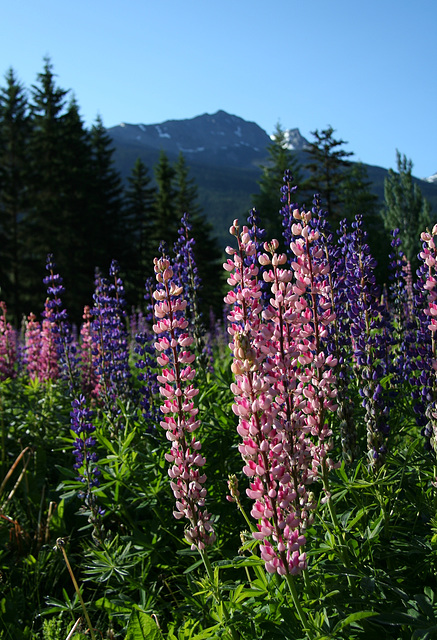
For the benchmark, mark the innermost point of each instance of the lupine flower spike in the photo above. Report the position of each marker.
(8, 348)
(180, 415)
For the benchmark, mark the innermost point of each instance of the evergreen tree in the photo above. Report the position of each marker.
(78, 258)
(207, 253)
(268, 201)
(405, 207)
(14, 161)
(105, 230)
(47, 230)
(356, 195)
(357, 198)
(186, 199)
(138, 209)
(328, 169)
(166, 219)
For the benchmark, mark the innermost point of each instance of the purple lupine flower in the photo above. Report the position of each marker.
(339, 344)
(110, 338)
(187, 276)
(258, 237)
(288, 191)
(84, 446)
(370, 339)
(61, 328)
(146, 362)
(86, 460)
(400, 312)
(180, 415)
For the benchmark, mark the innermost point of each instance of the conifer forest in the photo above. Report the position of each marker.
(203, 442)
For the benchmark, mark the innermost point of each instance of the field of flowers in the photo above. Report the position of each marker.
(270, 475)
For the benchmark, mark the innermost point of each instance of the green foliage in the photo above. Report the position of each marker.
(328, 169)
(267, 202)
(14, 200)
(405, 208)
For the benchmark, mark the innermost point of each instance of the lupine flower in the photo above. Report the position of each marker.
(429, 257)
(86, 457)
(370, 339)
(48, 368)
(59, 324)
(32, 346)
(8, 346)
(288, 190)
(81, 422)
(110, 338)
(146, 362)
(283, 386)
(187, 276)
(90, 383)
(180, 415)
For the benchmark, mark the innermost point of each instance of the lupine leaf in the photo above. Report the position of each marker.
(142, 627)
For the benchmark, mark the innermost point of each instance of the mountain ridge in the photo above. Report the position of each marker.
(225, 155)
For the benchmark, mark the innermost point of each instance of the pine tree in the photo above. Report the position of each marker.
(405, 207)
(166, 220)
(14, 161)
(186, 199)
(138, 209)
(78, 258)
(356, 195)
(105, 225)
(48, 166)
(207, 253)
(268, 201)
(328, 169)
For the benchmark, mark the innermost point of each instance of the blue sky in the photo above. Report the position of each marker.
(366, 68)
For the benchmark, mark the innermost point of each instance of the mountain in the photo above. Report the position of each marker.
(432, 179)
(219, 139)
(224, 153)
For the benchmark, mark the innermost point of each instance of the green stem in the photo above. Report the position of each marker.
(339, 533)
(296, 602)
(60, 544)
(209, 570)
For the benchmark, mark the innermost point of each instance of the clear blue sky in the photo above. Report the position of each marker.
(368, 68)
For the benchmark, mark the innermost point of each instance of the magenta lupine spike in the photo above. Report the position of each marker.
(32, 346)
(48, 367)
(281, 505)
(90, 382)
(283, 387)
(180, 415)
(8, 346)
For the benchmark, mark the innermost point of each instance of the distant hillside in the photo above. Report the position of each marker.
(224, 153)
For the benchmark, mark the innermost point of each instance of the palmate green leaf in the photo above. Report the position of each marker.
(142, 627)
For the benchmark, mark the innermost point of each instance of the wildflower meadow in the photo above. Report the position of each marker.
(270, 473)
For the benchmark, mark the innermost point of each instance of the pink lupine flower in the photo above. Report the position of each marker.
(32, 346)
(48, 367)
(180, 415)
(8, 346)
(90, 380)
(283, 387)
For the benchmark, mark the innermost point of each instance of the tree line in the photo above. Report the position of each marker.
(60, 193)
(345, 190)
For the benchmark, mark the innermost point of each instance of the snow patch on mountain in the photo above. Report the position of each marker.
(432, 179)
